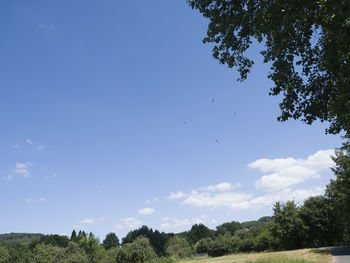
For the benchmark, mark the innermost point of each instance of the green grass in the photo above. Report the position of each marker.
(279, 260)
(292, 256)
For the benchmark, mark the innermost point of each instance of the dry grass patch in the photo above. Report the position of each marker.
(320, 255)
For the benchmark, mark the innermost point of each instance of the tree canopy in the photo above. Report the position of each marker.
(110, 241)
(307, 43)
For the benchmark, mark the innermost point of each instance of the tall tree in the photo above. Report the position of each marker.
(287, 226)
(338, 190)
(318, 216)
(73, 235)
(197, 232)
(110, 241)
(177, 246)
(307, 43)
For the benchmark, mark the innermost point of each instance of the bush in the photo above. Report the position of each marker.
(203, 245)
(246, 245)
(178, 247)
(221, 246)
(138, 251)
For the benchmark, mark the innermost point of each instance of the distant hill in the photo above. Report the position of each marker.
(259, 222)
(19, 238)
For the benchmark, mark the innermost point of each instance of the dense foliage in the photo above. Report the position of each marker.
(19, 238)
(306, 42)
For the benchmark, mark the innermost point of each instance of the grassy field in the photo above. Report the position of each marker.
(293, 256)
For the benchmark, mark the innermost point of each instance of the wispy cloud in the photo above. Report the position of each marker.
(177, 195)
(32, 201)
(231, 200)
(91, 221)
(129, 223)
(22, 169)
(29, 141)
(46, 26)
(180, 223)
(222, 187)
(283, 173)
(41, 147)
(146, 211)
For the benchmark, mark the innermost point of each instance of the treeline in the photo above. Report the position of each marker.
(137, 246)
(319, 221)
(19, 238)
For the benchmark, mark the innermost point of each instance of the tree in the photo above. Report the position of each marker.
(338, 190)
(73, 235)
(156, 238)
(307, 44)
(177, 246)
(319, 220)
(4, 254)
(197, 232)
(54, 240)
(222, 245)
(138, 251)
(89, 245)
(287, 226)
(43, 253)
(230, 227)
(265, 240)
(73, 253)
(110, 241)
(203, 245)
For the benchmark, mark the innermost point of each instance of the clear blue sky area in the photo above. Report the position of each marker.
(114, 114)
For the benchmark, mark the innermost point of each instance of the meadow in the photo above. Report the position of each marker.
(320, 255)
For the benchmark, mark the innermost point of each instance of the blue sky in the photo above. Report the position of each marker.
(114, 114)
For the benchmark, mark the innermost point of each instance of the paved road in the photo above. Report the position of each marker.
(341, 254)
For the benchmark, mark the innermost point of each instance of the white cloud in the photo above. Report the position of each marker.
(154, 199)
(91, 221)
(29, 141)
(283, 173)
(232, 200)
(222, 187)
(22, 169)
(32, 201)
(180, 223)
(237, 201)
(178, 195)
(297, 195)
(165, 219)
(130, 223)
(146, 211)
